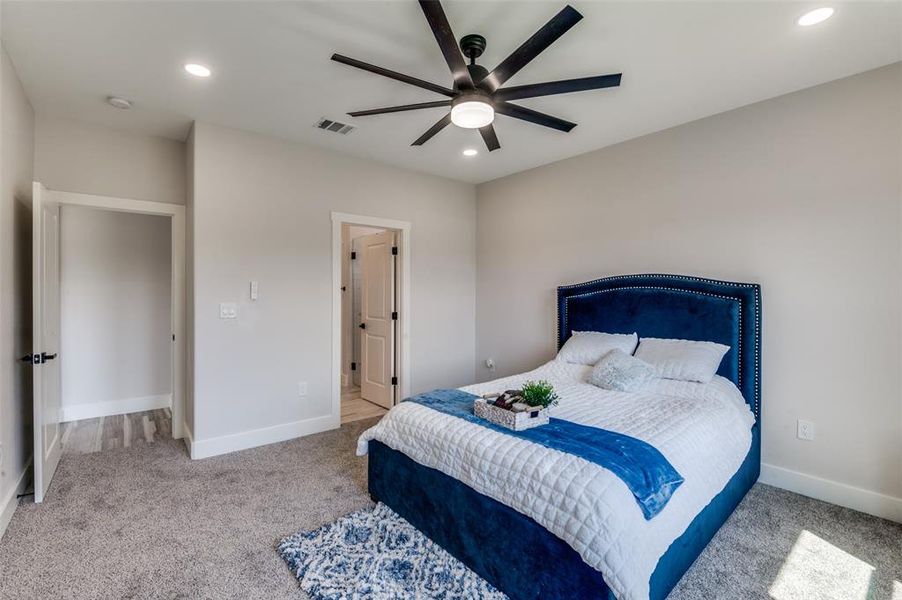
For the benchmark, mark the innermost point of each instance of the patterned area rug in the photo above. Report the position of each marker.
(375, 554)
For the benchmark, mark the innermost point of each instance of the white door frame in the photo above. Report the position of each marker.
(403, 228)
(176, 212)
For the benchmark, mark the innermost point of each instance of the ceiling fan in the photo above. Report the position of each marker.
(477, 95)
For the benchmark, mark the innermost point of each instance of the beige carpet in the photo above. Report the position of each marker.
(150, 523)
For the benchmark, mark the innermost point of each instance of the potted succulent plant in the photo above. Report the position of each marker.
(539, 393)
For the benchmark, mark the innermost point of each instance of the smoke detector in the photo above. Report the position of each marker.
(117, 102)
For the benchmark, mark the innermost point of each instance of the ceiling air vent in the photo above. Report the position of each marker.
(335, 126)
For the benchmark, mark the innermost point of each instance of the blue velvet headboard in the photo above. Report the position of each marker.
(674, 306)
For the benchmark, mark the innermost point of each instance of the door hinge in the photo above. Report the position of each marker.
(353, 255)
(173, 337)
(394, 380)
(353, 366)
(394, 250)
(394, 315)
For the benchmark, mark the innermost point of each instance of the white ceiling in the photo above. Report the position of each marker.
(272, 74)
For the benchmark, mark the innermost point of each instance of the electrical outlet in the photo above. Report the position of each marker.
(805, 430)
(302, 388)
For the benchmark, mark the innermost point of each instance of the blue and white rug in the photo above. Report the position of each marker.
(375, 554)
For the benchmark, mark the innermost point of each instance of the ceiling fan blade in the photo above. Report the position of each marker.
(394, 109)
(489, 137)
(527, 114)
(438, 22)
(544, 37)
(394, 75)
(441, 124)
(565, 86)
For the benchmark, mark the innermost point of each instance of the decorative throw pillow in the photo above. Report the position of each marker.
(621, 372)
(587, 347)
(684, 360)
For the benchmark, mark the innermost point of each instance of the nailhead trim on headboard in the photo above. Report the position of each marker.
(647, 275)
(756, 406)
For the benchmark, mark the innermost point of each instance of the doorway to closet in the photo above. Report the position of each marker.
(115, 301)
(108, 325)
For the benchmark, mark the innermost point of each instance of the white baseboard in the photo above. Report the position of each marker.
(9, 504)
(866, 501)
(77, 412)
(189, 438)
(260, 437)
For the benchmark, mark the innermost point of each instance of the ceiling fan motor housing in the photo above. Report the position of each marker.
(476, 95)
(477, 73)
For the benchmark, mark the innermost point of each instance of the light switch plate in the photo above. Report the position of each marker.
(302, 388)
(228, 310)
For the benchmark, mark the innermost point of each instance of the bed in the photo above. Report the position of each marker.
(563, 530)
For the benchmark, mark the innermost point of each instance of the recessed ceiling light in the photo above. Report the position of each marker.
(818, 15)
(197, 70)
(119, 102)
(470, 152)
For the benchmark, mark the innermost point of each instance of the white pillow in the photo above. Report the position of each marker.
(587, 347)
(682, 359)
(620, 372)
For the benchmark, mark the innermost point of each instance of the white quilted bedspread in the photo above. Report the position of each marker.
(704, 430)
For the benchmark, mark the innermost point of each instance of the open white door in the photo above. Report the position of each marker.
(46, 336)
(377, 347)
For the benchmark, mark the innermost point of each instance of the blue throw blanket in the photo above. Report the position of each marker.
(643, 469)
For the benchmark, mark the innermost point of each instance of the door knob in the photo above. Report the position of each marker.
(45, 357)
(362, 326)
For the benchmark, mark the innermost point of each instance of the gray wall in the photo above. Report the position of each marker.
(800, 193)
(72, 156)
(261, 211)
(115, 283)
(16, 168)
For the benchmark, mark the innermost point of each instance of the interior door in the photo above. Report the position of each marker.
(46, 336)
(377, 351)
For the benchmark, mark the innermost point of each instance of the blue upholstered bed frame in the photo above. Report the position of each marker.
(512, 551)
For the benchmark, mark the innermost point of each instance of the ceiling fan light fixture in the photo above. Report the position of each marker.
(472, 114)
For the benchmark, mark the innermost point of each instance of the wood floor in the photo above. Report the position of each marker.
(355, 408)
(118, 431)
(135, 429)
